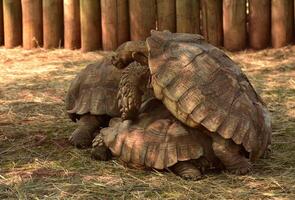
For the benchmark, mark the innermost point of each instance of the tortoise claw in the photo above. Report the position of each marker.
(191, 177)
(242, 170)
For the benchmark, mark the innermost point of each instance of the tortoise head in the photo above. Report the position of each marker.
(128, 52)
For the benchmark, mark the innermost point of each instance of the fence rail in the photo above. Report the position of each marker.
(105, 24)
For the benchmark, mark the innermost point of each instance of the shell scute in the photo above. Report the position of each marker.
(228, 128)
(190, 100)
(171, 154)
(94, 90)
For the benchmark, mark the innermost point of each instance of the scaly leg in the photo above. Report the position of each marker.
(99, 151)
(84, 134)
(230, 155)
(187, 170)
(132, 85)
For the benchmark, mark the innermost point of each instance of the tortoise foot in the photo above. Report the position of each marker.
(242, 168)
(81, 138)
(99, 151)
(187, 171)
(88, 125)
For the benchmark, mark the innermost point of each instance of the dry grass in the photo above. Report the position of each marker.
(36, 161)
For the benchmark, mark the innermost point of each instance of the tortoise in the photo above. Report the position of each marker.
(156, 140)
(92, 96)
(202, 87)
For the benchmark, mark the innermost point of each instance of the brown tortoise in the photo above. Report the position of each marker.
(202, 87)
(156, 140)
(92, 97)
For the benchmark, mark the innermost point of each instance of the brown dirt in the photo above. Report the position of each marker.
(37, 162)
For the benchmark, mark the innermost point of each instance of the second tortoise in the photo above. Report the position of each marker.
(156, 140)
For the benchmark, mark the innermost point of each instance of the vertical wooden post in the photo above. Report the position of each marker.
(212, 21)
(115, 23)
(234, 24)
(1, 23)
(72, 32)
(32, 23)
(52, 23)
(142, 18)
(166, 15)
(282, 22)
(90, 25)
(188, 16)
(123, 21)
(12, 14)
(259, 23)
(109, 24)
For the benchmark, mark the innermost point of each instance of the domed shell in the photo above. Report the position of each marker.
(94, 91)
(159, 145)
(201, 85)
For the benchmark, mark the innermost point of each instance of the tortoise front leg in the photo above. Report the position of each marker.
(84, 134)
(132, 85)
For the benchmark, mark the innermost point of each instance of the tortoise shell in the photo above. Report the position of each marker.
(201, 85)
(155, 140)
(94, 91)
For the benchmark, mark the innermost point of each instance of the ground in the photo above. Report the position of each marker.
(37, 162)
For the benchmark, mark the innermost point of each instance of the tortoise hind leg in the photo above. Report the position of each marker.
(229, 154)
(187, 170)
(83, 135)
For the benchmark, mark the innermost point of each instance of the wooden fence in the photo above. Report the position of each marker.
(105, 24)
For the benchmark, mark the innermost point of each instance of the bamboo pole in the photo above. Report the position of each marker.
(12, 23)
(1, 24)
(259, 23)
(282, 22)
(72, 31)
(234, 24)
(90, 25)
(166, 15)
(32, 23)
(52, 23)
(115, 23)
(142, 18)
(188, 16)
(212, 21)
